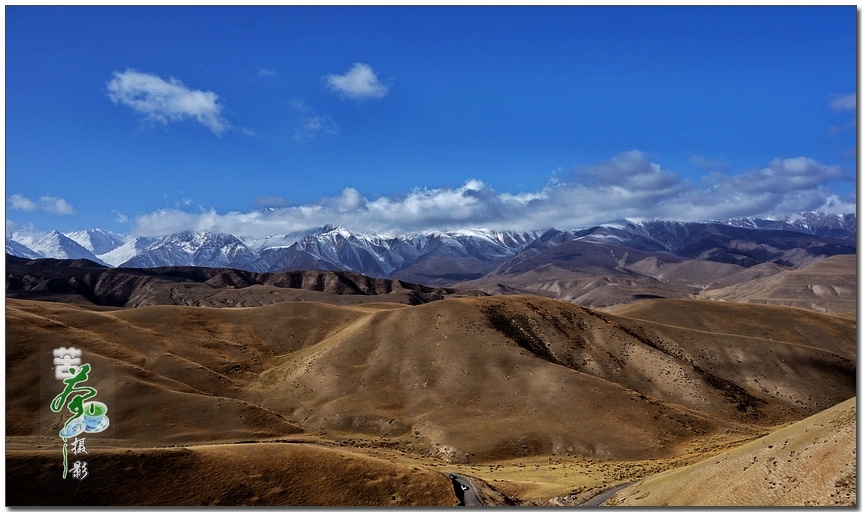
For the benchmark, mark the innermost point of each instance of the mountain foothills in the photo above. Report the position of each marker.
(309, 402)
(545, 367)
(600, 266)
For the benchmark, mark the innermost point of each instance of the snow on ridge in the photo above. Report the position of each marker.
(52, 244)
(127, 251)
(16, 249)
(340, 247)
(98, 241)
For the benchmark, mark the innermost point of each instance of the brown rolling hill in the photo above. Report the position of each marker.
(758, 323)
(466, 379)
(589, 274)
(809, 463)
(828, 285)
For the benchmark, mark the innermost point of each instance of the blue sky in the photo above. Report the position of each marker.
(150, 120)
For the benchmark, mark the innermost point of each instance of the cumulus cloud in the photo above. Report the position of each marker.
(628, 186)
(311, 123)
(844, 102)
(263, 73)
(359, 83)
(165, 101)
(19, 202)
(782, 176)
(630, 171)
(47, 204)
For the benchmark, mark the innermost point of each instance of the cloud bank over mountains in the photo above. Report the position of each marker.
(627, 186)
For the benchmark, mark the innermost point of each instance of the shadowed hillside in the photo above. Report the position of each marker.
(82, 282)
(225, 475)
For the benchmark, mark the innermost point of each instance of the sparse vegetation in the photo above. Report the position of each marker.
(516, 392)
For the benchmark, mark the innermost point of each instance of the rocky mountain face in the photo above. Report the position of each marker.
(623, 262)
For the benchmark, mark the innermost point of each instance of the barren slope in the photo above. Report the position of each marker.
(603, 276)
(809, 463)
(467, 379)
(827, 285)
(224, 475)
(761, 322)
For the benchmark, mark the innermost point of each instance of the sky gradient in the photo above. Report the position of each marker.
(266, 120)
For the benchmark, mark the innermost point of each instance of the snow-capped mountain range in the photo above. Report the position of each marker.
(421, 257)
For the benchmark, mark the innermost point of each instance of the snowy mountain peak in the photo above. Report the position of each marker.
(98, 241)
(52, 244)
(418, 256)
(190, 248)
(127, 251)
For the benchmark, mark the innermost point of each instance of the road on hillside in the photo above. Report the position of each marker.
(605, 496)
(464, 491)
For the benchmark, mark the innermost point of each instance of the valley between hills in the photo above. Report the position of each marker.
(227, 387)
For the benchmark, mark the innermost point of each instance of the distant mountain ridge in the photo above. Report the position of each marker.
(445, 258)
(82, 280)
(52, 244)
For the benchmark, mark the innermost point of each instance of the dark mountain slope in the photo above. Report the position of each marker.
(80, 281)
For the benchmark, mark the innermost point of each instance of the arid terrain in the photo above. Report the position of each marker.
(812, 462)
(340, 396)
(827, 285)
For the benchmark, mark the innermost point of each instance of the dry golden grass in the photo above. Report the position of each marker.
(760, 322)
(537, 480)
(809, 463)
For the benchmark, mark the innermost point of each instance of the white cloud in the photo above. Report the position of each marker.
(630, 170)
(844, 102)
(784, 175)
(311, 123)
(47, 204)
(56, 206)
(626, 186)
(122, 219)
(166, 101)
(19, 202)
(359, 83)
(263, 73)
